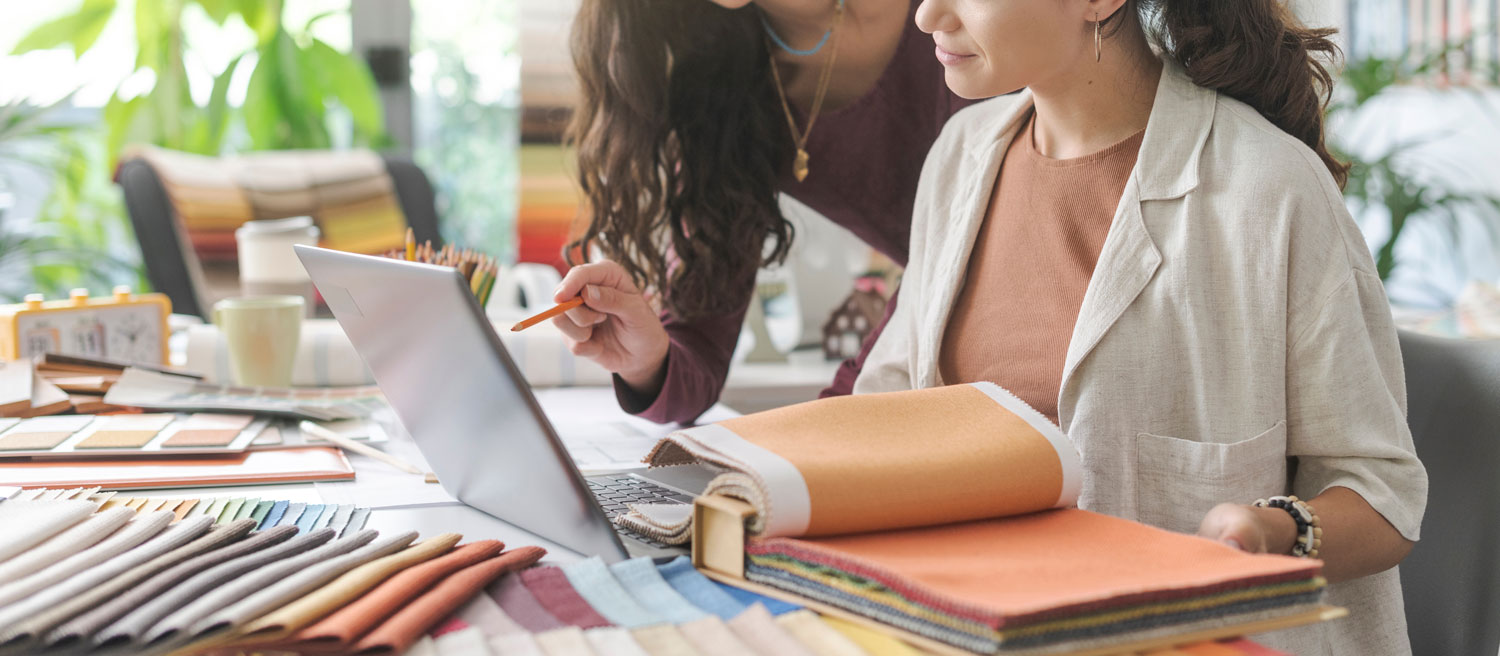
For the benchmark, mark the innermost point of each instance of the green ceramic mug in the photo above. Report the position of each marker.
(262, 334)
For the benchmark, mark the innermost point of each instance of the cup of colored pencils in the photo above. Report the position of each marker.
(477, 268)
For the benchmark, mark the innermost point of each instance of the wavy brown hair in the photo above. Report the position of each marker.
(1255, 51)
(680, 145)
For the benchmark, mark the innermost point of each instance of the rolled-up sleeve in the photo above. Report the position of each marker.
(1346, 405)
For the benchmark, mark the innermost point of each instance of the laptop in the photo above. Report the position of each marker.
(455, 388)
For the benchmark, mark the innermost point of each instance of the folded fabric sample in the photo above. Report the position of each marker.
(217, 537)
(1038, 579)
(72, 540)
(347, 587)
(555, 593)
(105, 570)
(871, 641)
(757, 628)
(293, 582)
(663, 640)
(407, 624)
(640, 578)
(29, 523)
(567, 641)
(183, 623)
(848, 464)
(484, 614)
(130, 629)
(711, 636)
(133, 533)
(772, 605)
(522, 606)
(346, 625)
(698, 589)
(613, 641)
(815, 634)
(516, 644)
(596, 584)
(463, 642)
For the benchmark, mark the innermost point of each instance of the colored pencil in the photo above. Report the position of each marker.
(547, 314)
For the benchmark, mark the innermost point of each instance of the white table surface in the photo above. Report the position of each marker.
(402, 501)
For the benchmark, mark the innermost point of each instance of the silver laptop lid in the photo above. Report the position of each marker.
(456, 390)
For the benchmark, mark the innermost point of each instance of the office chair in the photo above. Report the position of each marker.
(175, 271)
(1451, 580)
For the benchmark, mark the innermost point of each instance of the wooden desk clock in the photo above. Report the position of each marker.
(123, 326)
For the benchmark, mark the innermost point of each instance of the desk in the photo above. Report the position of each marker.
(756, 386)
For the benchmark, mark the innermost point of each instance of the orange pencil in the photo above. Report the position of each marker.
(548, 314)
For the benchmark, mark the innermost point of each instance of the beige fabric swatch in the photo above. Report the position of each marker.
(116, 439)
(711, 636)
(757, 628)
(818, 637)
(80, 536)
(614, 641)
(515, 644)
(127, 537)
(663, 640)
(14, 441)
(564, 642)
(468, 641)
(284, 621)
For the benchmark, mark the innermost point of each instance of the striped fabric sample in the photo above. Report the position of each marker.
(816, 635)
(757, 628)
(97, 596)
(29, 523)
(184, 622)
(773, 605)
(76, 538)
(567, 641)
(711, 636)
(699, 590)
(517, 601)
(408, 624)
(614, 641)
(596, 584)
(131, 628)
(345, 626)
(663, 640)
(551, 588)
(314, 570)
(304, 611)
(102, 571)
(641, 580)
(135, 532)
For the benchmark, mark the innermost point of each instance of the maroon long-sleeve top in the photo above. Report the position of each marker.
(865, 158)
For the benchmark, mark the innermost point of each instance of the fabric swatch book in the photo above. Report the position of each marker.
(949, 513)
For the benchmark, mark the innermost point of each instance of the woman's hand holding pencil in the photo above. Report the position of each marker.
(614, 325)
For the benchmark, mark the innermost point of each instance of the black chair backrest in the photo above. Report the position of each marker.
(173, 269)
(1451, 580)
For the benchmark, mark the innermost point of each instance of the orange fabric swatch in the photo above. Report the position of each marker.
(337, 631)
(412, 621)
(1046, 564)
(877, 461)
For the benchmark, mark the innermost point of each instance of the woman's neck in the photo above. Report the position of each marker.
(1089, 105)
(868, 37)
(800, 23)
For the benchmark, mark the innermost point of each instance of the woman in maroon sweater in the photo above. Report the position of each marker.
(684, 143)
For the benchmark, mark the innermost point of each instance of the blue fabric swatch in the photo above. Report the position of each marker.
(642, 581)
(292, 514)
(699, 589)
(274, 516)
(309, 517)
(598, 586)
(746, 597)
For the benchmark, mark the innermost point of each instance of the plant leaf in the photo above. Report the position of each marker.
(218, 10)
(350, 82)
(80, 28)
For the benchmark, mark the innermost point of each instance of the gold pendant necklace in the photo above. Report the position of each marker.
(800, 165)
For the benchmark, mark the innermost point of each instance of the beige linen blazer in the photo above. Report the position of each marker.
(1234, 343)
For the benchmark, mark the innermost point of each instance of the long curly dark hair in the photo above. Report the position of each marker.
(1255, 51)
(680, 142)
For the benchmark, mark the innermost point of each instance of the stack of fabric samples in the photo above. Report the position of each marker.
(1023, 587)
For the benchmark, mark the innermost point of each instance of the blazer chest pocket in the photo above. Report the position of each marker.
(1179, 480)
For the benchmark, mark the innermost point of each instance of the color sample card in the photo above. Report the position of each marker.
(123, 431)
(207, 430)
(127, 435)
(41, 432)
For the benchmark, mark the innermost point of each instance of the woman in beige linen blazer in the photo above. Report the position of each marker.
(1234, 342)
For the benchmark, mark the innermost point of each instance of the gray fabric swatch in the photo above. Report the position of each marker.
(29, 523)
(356, 521)
(292, 514)
(128, 629)
(45, 621)
(175, 626)
(71, 540)
(102, 571)
(341, 518)
(135, 532)
(297, 584)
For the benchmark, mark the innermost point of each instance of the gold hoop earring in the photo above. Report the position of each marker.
(1097, 40)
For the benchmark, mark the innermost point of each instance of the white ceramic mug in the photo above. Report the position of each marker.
(262, 333)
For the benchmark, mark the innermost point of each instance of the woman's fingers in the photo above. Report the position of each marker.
(603, 274)
(572, 330)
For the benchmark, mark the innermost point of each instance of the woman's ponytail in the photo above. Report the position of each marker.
(1257, 52)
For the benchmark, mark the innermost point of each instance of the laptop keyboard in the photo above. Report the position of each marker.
(616, 491)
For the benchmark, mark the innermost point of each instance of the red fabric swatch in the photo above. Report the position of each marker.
(551, 587)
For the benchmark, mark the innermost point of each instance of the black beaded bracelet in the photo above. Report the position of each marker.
(1309, 528)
